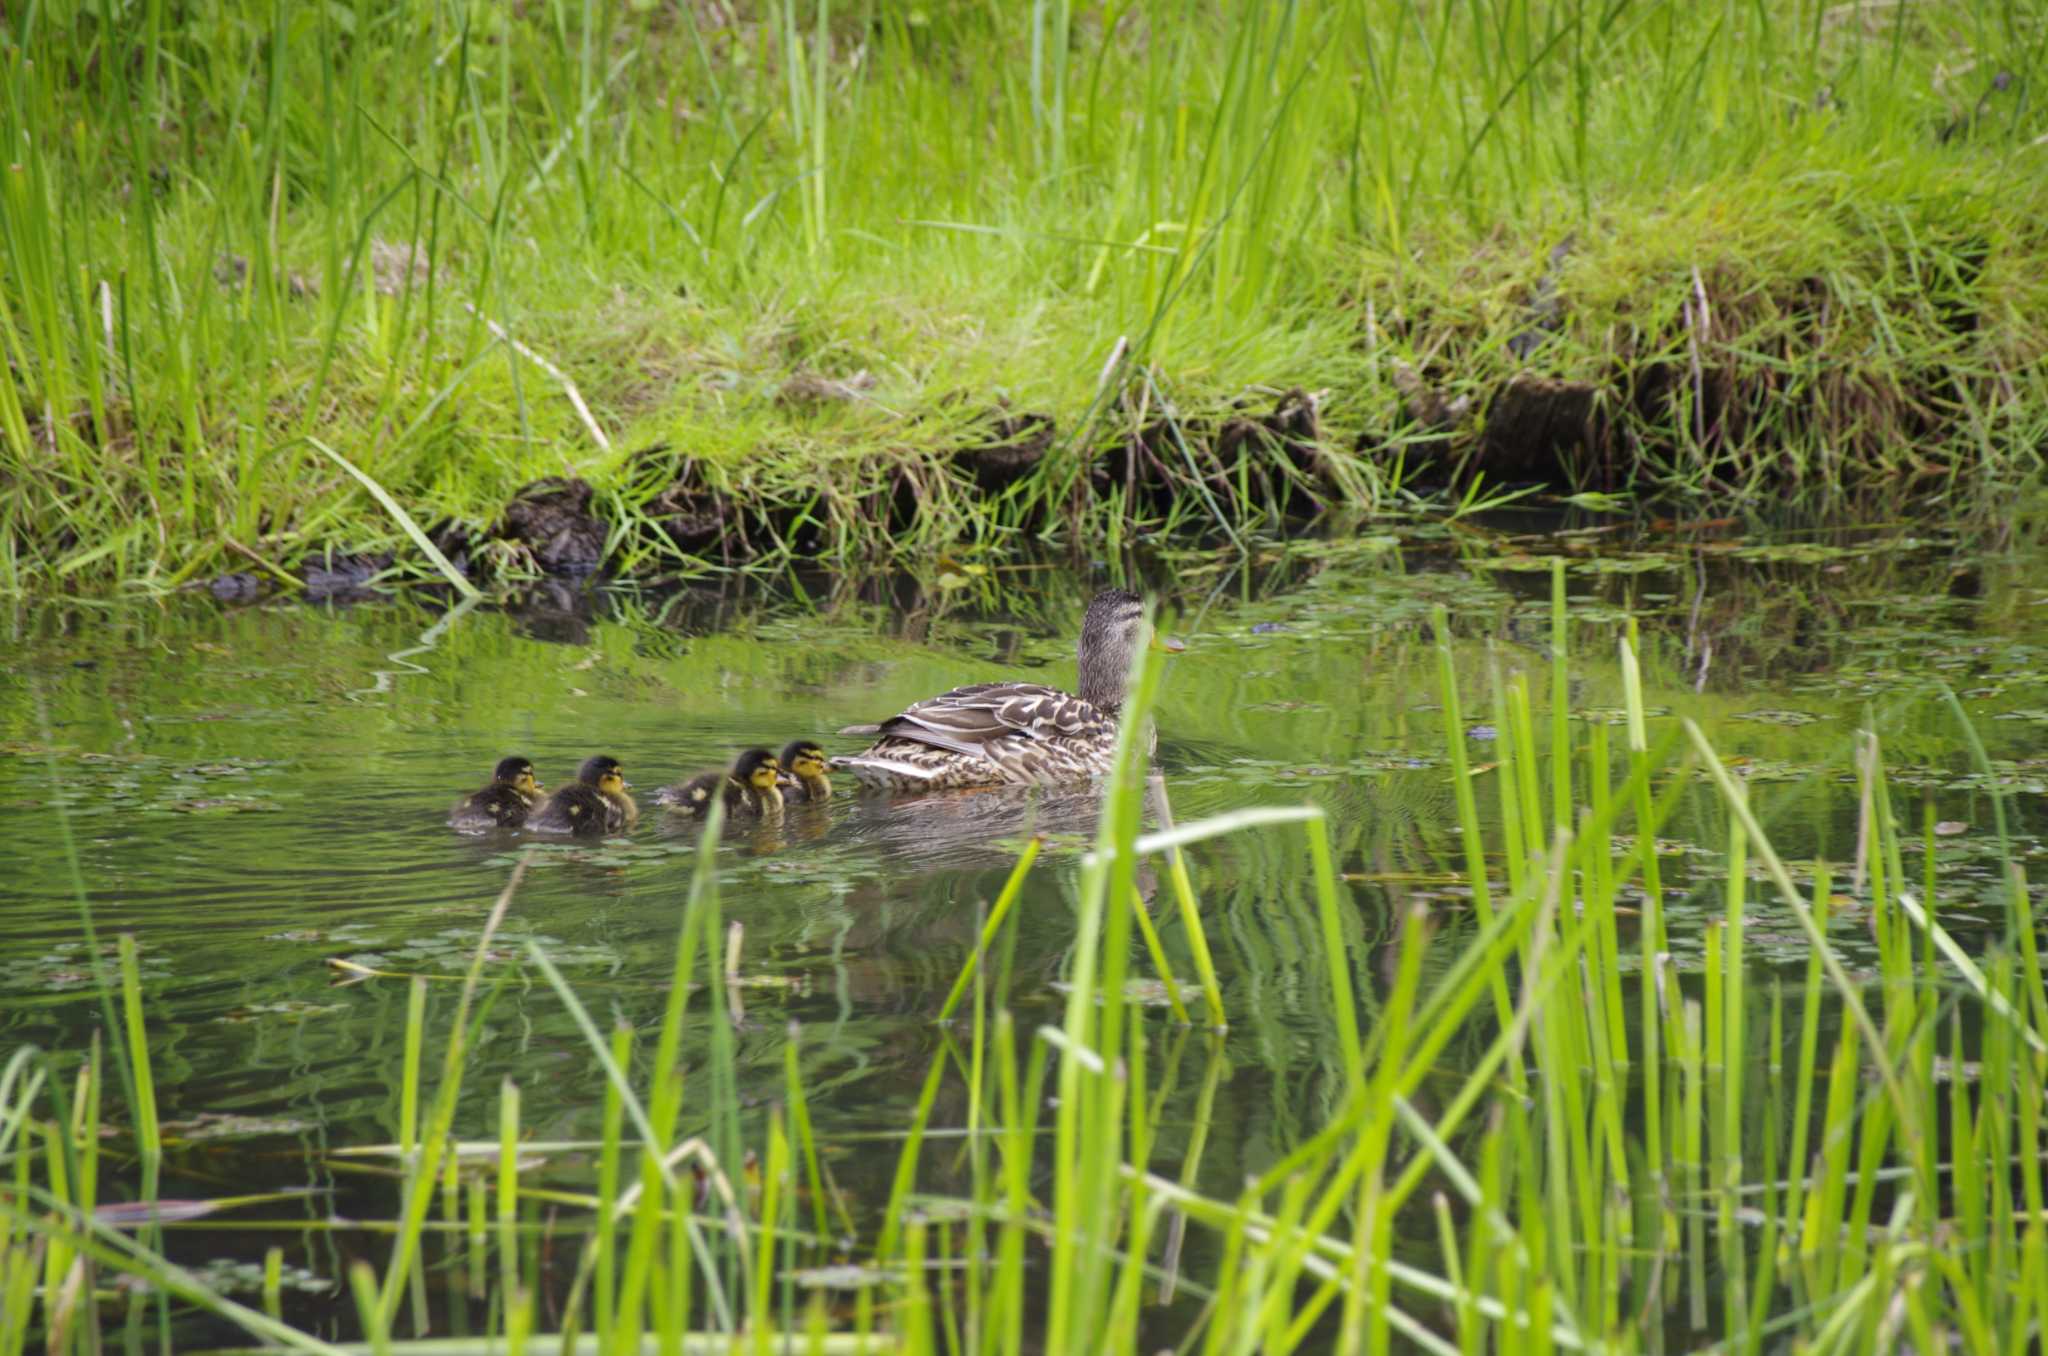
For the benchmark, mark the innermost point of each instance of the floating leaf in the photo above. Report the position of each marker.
(226, 1276)
(223, 805)
(1618, 715)
(1776, 716)
(1146, 993)
(289, 1007)
(225, 1125)
(845, 1276)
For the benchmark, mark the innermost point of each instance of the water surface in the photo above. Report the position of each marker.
(257, 791)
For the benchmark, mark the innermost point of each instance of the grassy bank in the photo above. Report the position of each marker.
(1549, 1138)
(811, 279)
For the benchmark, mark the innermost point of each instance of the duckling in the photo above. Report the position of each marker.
(503, 803)
(750, 790)
(803, 764)
(592, 806)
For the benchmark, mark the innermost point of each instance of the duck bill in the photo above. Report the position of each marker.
(1170, 644)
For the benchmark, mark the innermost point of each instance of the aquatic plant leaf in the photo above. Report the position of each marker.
(1776, 716)
(845, 1276)
(227, 1125)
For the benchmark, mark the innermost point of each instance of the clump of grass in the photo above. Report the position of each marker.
(818, 250)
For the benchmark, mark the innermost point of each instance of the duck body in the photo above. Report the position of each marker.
(751, 790)
(592, 806)
(1013, 734)
(502, 803)
(987, 734)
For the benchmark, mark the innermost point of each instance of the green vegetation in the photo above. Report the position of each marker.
(1621, 1155)
(289, 278)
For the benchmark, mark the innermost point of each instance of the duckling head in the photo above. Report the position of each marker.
(519, 772)
(804, 760)
(757, 768)
(603, 772)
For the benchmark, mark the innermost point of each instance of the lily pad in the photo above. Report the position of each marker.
(224, 1125)
(227, 1276)
(845, 1276)
(1145, 992)
(1618, 715)
(1776, 716)
(239, 805)
(290, 1007)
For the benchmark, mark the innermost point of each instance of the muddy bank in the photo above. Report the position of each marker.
(1896, 388)
(1906, 367)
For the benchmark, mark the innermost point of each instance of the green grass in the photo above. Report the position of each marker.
(808, 251)
(1618, 1158)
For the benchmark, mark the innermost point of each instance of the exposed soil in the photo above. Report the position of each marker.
(1276, 456)
(552, 521)
(692, 514)
(1542, 429)
(1020, 442)
(341, 574)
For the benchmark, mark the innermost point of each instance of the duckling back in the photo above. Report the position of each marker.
(693, 797)
(754, 796)
(580, 810)
(500, 805)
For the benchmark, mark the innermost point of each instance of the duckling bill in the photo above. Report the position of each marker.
(750, 790)
(504, 802)
(593, 805)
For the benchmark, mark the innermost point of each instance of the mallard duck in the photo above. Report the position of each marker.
(750, 790)
(503, 803)
(592, 806)
(803, 767)
(995, 734)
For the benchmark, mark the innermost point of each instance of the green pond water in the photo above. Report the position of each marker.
(255, 791)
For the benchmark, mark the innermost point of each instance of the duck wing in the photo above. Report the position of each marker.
(967, 719)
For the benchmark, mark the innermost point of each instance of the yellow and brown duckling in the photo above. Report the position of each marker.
(592, 806)
(804, 771)
(503, 803)
(750, 790)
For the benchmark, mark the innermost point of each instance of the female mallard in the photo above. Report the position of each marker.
(750, 790)
(592, 806)
(995, 734)
(804, 763)
(503, 803)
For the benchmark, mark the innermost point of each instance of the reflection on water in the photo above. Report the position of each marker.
(257, 791)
